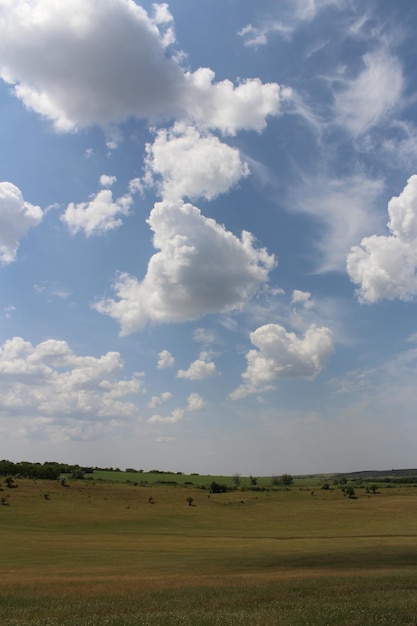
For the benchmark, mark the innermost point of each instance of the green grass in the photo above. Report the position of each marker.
(102, 554)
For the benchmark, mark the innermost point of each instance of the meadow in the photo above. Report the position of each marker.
(96, 553)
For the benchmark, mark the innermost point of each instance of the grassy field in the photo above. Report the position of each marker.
(119, 554)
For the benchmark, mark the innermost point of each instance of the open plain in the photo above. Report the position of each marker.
(91, 553)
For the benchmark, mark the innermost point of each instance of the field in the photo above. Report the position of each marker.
(97, 553)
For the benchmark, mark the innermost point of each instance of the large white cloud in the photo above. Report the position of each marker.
(200, 268)
(83, 62)
(281, 354)
(48, 381)
(16, 218)
(192, 164)
(385, 266)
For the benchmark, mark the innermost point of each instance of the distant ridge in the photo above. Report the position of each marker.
(394, 473)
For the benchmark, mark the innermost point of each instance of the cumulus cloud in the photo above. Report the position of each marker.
(195, 402)
(385, 266)
(98, 216)
(192, 164)
(165, 359)
(49, 382)
(281, 354)
(302, 298)
(201, 268)
(199, 369)
(365, 100)
(83, 62)
(114, 51)
(16, 218)
(177, 415)
(107, 181)
(228, 107)
(156, 401)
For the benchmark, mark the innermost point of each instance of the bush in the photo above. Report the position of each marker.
(217, 488)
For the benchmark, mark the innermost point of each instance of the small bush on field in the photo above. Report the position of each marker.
(217, 487)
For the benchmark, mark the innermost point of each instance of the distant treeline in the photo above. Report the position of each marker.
(50, 470)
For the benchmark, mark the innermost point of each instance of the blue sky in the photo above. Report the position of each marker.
(208, 234)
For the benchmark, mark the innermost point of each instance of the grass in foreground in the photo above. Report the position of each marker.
(103, 554)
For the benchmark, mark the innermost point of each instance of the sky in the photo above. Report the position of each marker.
(208, 234)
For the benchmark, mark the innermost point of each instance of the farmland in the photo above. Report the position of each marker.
(93, 552)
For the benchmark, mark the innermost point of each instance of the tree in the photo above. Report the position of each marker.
(349, 490)
(190, 501)
(236, 479)
(287, 479)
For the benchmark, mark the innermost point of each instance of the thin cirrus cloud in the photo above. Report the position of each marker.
(345, 207)
(17, 217)
(292, 13)
(113, 83)
(200, 268)
(365, 100)
(385, 266)
(282, 354)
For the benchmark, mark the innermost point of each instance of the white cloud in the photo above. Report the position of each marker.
(195, 402)
(281, 354)
(177, 415)
(201, 268)
(229, 108)
(292, 13)
(156, 401)
(204, 336)
(16, 218)
(162, 14)
(303, 298)
(199, 369)
(346, 209)
(255, 36)
(385, 266)
(192, 164)
(98, 216)
(165, 359)
(83, 62)
(365, 100)
(116, 52)
(49, 382)
(107, 181)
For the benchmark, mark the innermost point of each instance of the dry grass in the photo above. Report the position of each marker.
(102, 554)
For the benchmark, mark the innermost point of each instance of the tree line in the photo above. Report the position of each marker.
(50, 470)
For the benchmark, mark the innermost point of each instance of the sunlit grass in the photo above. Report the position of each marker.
(104, 554)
